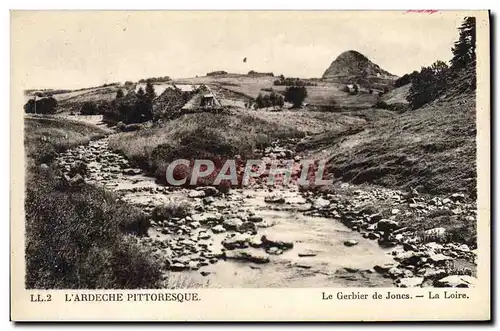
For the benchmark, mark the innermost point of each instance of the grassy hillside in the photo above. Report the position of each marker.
(431, 149)
(78, 236)
(46, 136)
(202, 135)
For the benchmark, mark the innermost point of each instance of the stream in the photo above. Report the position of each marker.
(208, 247)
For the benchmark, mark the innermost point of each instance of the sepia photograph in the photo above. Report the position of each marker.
(177, 150)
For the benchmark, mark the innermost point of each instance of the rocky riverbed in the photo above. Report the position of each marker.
(271, 236)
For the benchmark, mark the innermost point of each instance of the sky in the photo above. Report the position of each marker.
(70, 49)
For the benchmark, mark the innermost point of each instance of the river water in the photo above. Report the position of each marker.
(319, 257)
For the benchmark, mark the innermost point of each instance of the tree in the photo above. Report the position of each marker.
(89, 108)
(267, 101)
(119, 94)
(260, 101)
(140, 93)
(280, 101)
(464, 51)
(295, 95)
(150, 92)
(41, 106)
(273, 98)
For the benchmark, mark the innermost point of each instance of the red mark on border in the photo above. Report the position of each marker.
(422, 11)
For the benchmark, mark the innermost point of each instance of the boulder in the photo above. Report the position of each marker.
(204, 236)
(382, 269)
(374, 218)
(269, 240)
(248, 227)
(131, 171)
(456, 281)
(240, 240)
(386, 225)
(208, 200)
(178, 266)
(350, 242)
(195, 225)
(255, 241)
(463, 248)
(457, 197)
(410, 282)
(320, 203)
(196, 194)
(209, 191)
(274, 250)
(307, 254)
(255, 219)
(439, 259)
(218, 229)
(274, 199)
(303, 265)
(434, 273)
(207, 217)
(435, 234)
(254, 256)
(232, 223)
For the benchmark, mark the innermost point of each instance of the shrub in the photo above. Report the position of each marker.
(119, 94)
(382, 104)
(217, 73)
(89, 108)
(41, 106)
(120, 126)
(291, 81)
(78, 168)
(296, 95)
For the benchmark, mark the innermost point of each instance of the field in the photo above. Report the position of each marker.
(324, 96)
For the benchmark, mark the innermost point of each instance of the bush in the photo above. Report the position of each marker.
(296, 95)
(41, 106)
(217, 73)
(291, 81)
(382, 104)
(132, 108)
(255, 73)
(89, 108)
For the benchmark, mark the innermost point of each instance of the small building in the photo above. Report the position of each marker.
(208, 100)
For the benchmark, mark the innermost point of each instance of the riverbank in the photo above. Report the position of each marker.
(78, 235)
